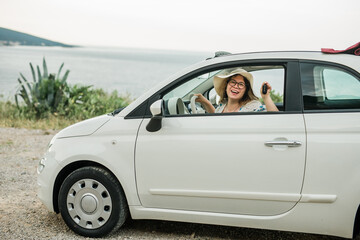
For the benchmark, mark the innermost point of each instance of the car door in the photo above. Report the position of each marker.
(242, 163)
(331, 95)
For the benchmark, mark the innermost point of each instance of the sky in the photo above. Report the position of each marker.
(195, 25)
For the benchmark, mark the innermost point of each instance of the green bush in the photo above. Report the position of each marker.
(276, 97)
(85, 102)
(50, 94)
(45, 94)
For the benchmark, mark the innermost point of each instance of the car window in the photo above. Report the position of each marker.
(275, 76)
(349, 86)
(328, 87)
(177, 99)
(183, 89)
(190, 86)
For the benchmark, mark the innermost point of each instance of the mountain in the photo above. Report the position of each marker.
(13, 38)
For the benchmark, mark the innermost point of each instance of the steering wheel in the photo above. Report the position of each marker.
(194, 110)
(177, 106)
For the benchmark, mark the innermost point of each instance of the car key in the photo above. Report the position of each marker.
(264, 89)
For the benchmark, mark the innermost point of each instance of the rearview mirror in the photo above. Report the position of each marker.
(156, 119)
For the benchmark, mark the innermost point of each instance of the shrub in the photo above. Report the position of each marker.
(50, 94)
(276, 97)
(46, 93)
(85, 102)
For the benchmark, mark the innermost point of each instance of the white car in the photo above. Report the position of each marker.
(163, 157)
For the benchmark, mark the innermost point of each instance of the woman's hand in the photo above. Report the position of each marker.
(204, 102)
(200, 98)
(270, 106)
(267, 94)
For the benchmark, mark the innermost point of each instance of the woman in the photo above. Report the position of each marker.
(236, 94)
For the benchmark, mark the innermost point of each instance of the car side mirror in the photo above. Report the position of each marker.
(156, 119)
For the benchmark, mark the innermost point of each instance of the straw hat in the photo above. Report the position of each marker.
(221, 79)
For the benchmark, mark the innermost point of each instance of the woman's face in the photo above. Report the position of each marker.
(236, 88)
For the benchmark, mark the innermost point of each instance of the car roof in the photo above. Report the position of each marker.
(312, 55)
(297, 52)
(348, 60)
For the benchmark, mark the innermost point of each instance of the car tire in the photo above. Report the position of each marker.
(92, 202)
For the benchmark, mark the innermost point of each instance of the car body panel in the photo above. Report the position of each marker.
(223, 165)
(309, 218)
(46, 179)
(112, 146)
(84, 128)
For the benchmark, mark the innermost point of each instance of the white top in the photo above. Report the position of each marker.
(252, 106)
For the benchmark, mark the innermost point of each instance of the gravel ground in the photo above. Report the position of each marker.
(22, 215)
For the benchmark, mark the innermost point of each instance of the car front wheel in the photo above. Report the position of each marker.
(92, 203)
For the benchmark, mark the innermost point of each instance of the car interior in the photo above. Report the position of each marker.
(180, 100)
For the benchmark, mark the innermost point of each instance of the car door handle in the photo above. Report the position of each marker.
(289, 143)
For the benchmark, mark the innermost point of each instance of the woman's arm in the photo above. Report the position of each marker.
(270, 105)
(205, 103)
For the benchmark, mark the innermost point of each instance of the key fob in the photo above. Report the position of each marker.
(264, 89)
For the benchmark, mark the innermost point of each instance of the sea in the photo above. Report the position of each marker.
(128, 71)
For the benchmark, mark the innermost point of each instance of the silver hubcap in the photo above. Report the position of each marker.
(89, 203)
